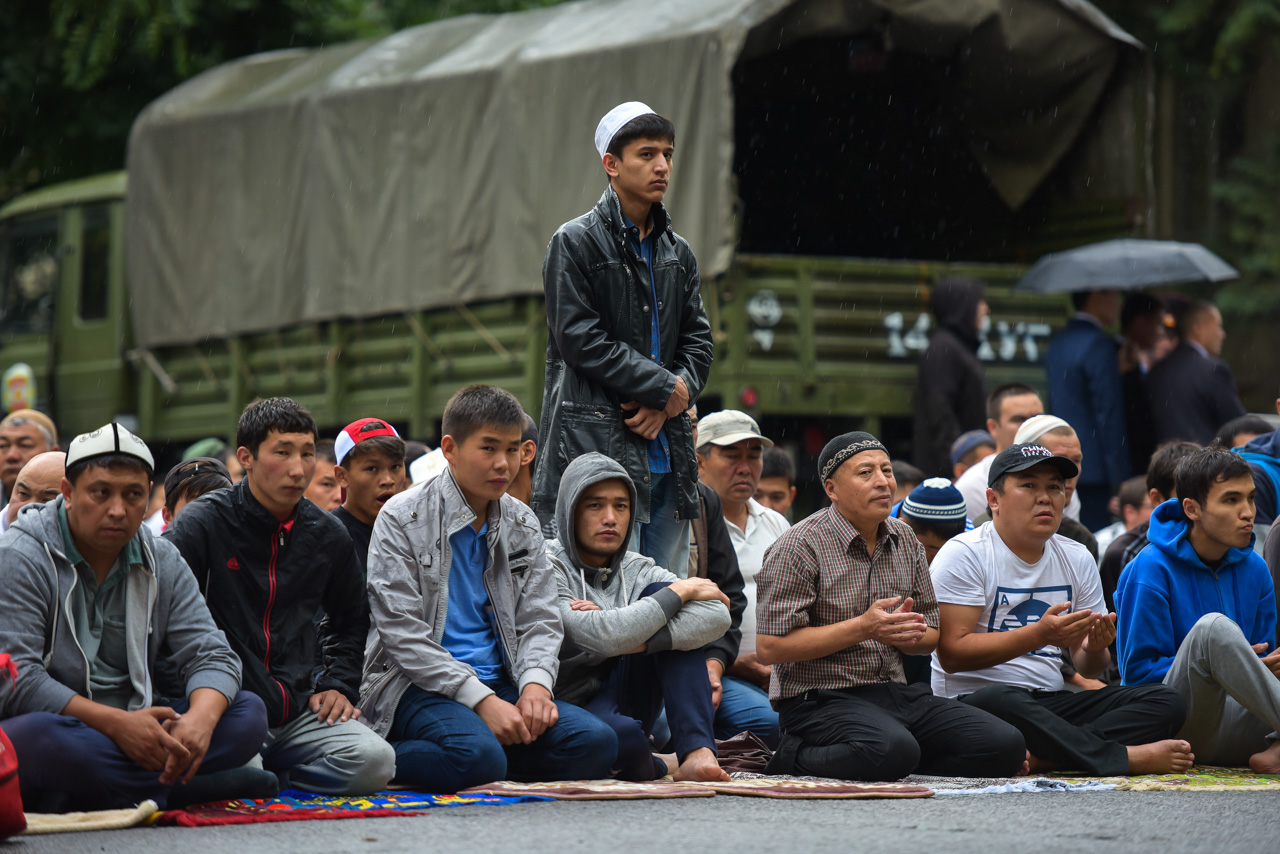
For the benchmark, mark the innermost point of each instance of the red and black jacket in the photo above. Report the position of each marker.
(265, 580)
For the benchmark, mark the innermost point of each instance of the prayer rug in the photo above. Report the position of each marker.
(596, 790)
(1201, 778)
(292, 805)
(72, 822)
(813, 788)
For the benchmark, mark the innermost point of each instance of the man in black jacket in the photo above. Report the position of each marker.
(629, 347)
(267, 560)
(1192, 391)
(951, 388)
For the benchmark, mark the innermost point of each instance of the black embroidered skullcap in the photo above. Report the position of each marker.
(842, 448)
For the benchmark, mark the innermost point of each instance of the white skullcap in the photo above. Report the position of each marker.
(108, 439)
(1036, 426)
(614, 120)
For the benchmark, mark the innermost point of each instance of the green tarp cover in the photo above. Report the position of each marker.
(431, 167)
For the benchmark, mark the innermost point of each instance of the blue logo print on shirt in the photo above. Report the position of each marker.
(1017, 607)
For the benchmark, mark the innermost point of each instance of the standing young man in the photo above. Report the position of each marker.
(463, 648)
(1013, 596)
(1197, 611)
(629, 347)
(841, 597)
(1007, 407)
(267, 560)
(91, 605)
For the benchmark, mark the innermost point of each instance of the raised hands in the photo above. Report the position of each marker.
(892, 623)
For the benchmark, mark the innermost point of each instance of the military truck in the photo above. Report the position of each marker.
(361, 227)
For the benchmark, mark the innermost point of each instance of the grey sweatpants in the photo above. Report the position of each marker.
(1233, 700)
(343, 759)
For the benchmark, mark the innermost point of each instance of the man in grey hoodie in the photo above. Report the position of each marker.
(90, 606)
(634, 631)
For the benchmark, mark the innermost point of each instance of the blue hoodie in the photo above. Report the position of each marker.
(1263, 456)
(1167, 588)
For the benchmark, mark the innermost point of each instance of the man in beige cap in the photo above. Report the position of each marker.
(731, 450)
(23, 434)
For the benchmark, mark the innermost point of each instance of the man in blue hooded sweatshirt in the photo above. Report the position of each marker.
(1197, 611)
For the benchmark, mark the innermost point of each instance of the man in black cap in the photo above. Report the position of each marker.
(1014, 595)
(841, 596)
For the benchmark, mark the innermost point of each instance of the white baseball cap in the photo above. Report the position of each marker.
(108, 439)
(614, 120)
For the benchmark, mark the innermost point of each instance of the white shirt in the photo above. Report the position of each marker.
(977, 568)
(973, 486)
(764, 526)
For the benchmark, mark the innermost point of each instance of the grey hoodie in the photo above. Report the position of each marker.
(662, 621)
(164, 611)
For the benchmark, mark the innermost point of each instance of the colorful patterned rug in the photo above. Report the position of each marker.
(1201, 778)
(292, 805)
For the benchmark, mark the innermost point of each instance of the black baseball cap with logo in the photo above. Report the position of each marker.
(1017, 458)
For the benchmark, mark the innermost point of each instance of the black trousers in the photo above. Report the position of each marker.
(885, 732)
(1086, 731)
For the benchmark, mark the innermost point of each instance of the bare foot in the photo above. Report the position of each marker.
(700, 766)
(1025, 770)
(1170, 756)
(670, 759)
(1268, 761)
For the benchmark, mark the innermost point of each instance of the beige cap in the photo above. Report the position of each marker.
(728, 427)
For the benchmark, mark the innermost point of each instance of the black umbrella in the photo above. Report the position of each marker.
(1125, 265)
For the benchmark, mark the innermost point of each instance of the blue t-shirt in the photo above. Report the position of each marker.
(659, 452)
(468, 630)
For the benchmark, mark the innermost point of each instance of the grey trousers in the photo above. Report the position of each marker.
(343, 759)
(1233, 700)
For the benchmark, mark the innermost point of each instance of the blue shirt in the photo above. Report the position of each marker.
(468, 629)
(659, 453)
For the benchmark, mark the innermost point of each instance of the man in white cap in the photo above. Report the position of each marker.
(730, 458)
(629, 347)
(93, 607)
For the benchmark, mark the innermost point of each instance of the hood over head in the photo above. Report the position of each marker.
(1267, 443)
(1168, 532)
(955, 307)
(585, 471)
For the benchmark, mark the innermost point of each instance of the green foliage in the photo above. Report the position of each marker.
(1249, 194)
(1205, 39)
(75, 73)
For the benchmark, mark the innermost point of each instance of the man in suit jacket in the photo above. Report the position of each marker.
(1192, 391)
(1085, 390)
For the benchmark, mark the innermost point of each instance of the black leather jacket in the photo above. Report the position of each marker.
(598, 303)
(265, 580)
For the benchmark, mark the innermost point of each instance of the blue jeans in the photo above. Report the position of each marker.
(745, 708)
(66, 766)
(443, 747)
(664, 537)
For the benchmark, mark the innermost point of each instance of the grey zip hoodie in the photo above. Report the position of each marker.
(662, 620)
(164, 610)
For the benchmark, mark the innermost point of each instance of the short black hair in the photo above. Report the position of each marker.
(391, 447)
(1132, 492)
(1079, 298)
(1243, 424)
(648, 126)
(1198, 472)
(324, 451)
(1163, 468)
(996, 399)
(1189, 316)
(478, 406)
(191, 488)
(904, 472)
(530, 433)
(1138, 305)
(273, 413)
(108, 461)
(943, 529)
(777, 463)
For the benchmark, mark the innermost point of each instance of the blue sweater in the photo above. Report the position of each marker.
(1167, 588)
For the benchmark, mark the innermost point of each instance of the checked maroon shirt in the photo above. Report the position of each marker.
(819, 573)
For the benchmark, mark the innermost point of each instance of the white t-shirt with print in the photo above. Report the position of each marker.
(977, 568)
(764, 526)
